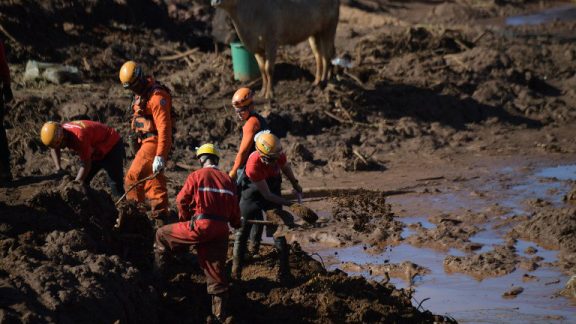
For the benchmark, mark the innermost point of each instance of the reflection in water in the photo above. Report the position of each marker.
(566, 12)
(461, 296)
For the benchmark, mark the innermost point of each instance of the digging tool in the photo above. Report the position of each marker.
(150, 177)
(262, 222)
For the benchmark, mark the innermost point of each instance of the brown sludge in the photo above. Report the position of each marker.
(307, 214)
(280, 216)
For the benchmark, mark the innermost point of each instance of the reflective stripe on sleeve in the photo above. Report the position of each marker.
(224, 191)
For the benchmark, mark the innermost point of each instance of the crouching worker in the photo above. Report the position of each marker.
(97, 145)
(206, 204)
(261, 191)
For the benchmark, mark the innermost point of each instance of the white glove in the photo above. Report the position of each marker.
(158, 164)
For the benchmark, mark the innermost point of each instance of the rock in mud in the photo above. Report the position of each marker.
(512, 293)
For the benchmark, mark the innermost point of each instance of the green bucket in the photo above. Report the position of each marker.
(243, 63)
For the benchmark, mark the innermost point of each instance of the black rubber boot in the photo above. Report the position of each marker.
(220, 306)
(284, 276)
(160, 274)
(239, 252)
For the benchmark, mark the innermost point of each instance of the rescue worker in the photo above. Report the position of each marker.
(243, 105)
(206, 204)
(5, 97)
(261, 191)
(151, 122)
(97, 145)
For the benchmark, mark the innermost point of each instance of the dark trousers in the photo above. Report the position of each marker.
(252, 204)
(4, 152)
(113, 164)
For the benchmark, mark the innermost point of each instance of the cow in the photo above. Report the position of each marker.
(263, 25)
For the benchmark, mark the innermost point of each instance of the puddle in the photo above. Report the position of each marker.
(462, 297)
(563, 172)
(459, 295)
(546, 255)
(565, 12)
(488, 239)
(414, 220)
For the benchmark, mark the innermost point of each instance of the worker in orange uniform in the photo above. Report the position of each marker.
(151, 122)
(97, 145)
(5, 97)
(243, 104)
(261, 191)
(206, 204)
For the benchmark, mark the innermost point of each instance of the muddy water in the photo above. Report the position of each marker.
(562, 12)
(461, 296)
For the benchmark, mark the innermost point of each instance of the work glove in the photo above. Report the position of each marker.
(7, 93)
(158, 164)
(232, 174)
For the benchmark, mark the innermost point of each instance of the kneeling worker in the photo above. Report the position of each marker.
(261, 191)
(98, 146)
(206, 204)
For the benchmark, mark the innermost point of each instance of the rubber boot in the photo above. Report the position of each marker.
(220, 306)
(284, 276)
(239, 251)
(160, 273)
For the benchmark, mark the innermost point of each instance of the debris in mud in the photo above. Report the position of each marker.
(512, 293)
(528, 278)
(570, 197)
(570, 288)
(554, 228)
(304, 212)
(59, 271)
(448, 233)
(361, 207)
(495, 263)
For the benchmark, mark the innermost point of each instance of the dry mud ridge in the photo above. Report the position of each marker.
(434, 85)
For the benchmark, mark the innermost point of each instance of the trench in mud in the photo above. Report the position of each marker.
(461, 296)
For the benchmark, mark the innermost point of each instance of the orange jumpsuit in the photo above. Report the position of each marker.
(153, 125)
(253, 125)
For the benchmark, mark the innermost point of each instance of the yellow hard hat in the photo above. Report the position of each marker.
(207, 149)
(267, 144)
(130, 74)
(52, 134)
(242, 98)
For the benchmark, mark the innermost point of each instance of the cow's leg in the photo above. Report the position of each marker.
(328, 49)
(269, 68)
(261, 63)
(316, 50)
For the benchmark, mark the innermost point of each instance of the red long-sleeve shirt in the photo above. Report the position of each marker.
(91, 140)
(209, 191)
(4, 70)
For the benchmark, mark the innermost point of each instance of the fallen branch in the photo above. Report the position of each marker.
(185, 166)
(357, 79)
(337, 118)
(179, 55)
(360, 156)
(5, 32)
(184, 56)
